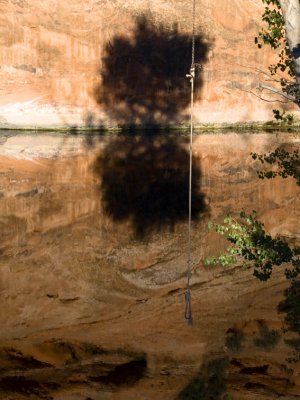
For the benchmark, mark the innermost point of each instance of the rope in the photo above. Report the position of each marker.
(191, 76)
(193, 33)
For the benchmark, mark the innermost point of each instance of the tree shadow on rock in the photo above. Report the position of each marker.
(290, 306)
(143, 77)
(268, 338)
(210, 382)
(145, 179)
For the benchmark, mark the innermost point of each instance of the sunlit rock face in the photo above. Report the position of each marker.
(114, 62)
(92, 280)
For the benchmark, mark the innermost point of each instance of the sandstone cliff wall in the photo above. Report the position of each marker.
(80, 287)
(100, 62)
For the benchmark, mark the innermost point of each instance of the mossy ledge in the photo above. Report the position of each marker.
(255, 127)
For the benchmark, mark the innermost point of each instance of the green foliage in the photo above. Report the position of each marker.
(250, 241)
(274, 35)
(283, 117)
(287, 163)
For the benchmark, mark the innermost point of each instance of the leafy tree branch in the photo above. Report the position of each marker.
(286, 163)
(254, 247)
(250, 242)
(282, 33)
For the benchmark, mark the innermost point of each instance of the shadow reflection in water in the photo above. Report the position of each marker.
(142, 82)
(145, 179)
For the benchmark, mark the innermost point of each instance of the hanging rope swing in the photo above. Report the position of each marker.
(191, 76)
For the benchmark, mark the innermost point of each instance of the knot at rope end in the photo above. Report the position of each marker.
(188, 307)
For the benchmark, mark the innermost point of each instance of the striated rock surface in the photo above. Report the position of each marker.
(92, 305)
(102, 62)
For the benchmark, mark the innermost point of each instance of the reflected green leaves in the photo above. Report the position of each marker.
(250, 242)
(286, 164)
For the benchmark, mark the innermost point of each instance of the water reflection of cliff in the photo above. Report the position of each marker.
(66, 264)
(146, 189)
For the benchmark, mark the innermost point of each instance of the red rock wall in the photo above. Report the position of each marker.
(53, 58)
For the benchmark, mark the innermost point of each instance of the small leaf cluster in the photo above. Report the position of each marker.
(287, 164)
(250, 241)
(274, 35)
(283, 117)
(292, 89)
(275, 31)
